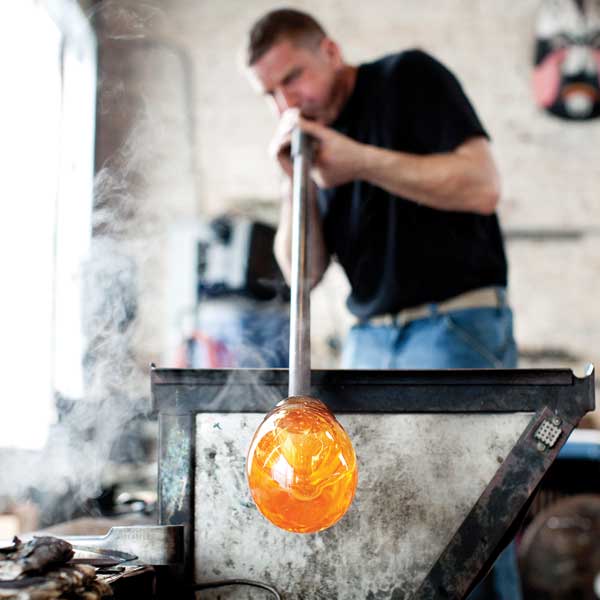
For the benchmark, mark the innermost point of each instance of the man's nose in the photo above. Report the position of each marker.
(286, 99)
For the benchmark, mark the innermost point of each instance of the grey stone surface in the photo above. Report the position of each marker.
(418, 477)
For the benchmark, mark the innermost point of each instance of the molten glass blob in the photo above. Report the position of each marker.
(301, 466)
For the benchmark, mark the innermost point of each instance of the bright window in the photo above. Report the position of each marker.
(47, 112)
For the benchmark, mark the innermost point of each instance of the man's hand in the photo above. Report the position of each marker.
(337, 157)
(280, 145)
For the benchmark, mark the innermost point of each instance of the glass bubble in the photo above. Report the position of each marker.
(301, 466)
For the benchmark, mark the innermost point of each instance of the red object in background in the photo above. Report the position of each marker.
(207, 352)
(546, 79)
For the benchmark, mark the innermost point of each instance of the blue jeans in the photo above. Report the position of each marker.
(463, 339)
(471, 338)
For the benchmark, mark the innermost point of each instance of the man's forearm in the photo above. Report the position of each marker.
(318, 255)
(463, 180)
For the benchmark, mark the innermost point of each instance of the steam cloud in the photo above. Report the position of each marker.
(72, 466)
(126, 229)
(80, 444)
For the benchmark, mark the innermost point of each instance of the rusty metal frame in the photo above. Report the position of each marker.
(555, 396)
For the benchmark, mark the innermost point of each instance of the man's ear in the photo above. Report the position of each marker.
(331, 51)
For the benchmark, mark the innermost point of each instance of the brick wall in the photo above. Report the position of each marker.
(550, 168)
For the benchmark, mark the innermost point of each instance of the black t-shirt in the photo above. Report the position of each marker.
(395, 252)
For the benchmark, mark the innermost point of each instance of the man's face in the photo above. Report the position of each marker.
(294, 76)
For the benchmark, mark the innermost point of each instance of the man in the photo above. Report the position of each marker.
(407, 193)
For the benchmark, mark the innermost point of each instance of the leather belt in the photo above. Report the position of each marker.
(489, 297)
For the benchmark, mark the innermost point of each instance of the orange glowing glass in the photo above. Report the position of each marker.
(301, 466)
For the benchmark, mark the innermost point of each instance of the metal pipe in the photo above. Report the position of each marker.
(150, 544)
(299, 373)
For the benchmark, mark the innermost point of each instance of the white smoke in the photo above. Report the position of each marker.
(120, 278)
(72, 467)
(116, 389)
